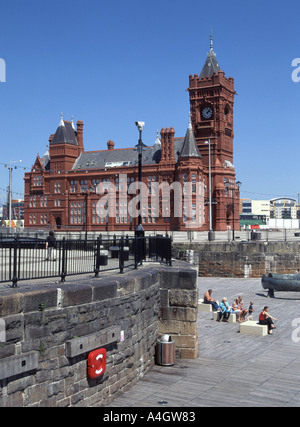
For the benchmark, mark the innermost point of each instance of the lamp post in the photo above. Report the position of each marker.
(232, 187)
(85, 193)
(139, 231)
(140, 146)
(210, 233)
(10, 190)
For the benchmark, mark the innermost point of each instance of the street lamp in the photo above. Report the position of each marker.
(139, 231)
(210, 233)
(232, 187)
(140, 147)
(10, 190)
(85, 192)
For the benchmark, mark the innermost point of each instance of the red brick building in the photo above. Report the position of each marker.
(71, 189)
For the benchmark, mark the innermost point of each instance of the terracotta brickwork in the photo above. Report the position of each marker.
(60, 190)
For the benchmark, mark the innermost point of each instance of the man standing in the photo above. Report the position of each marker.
(51, 246)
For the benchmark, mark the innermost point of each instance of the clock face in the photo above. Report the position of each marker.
(207, 113)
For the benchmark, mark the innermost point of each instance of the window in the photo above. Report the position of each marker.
(77, 213)
(73, 186)
(95, 183)
(193, 183)
(83, 185)
(151, 185)
(121, 211)
(37, 180)
(185, 178)
(32, 218)
(57, 187)
(43, 219)
(99, 213)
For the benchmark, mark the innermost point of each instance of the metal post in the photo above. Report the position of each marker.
(210, 233)
(135, 251)
(209, 177)
(10, 190)
(15, 257)
(139, 231)
(64, 261)
(140, 174)
(233, 213)
(121, 255)
(97, 261)
(9, 199)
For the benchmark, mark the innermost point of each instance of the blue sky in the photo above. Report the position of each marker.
(112, 63)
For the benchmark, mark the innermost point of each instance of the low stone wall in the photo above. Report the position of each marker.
(52, 328)
(243, 259)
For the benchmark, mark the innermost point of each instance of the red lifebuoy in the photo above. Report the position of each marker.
(96, 363)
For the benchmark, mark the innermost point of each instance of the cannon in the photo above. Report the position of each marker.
(281, 282)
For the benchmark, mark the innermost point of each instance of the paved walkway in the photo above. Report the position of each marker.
(231, 369)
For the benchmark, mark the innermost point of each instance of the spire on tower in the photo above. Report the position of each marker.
(211, 41)
(61, 123)
(211, 64)
(73, 126)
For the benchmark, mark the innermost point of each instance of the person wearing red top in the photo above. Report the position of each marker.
(266, 319)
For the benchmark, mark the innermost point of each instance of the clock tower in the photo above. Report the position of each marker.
(211, 103)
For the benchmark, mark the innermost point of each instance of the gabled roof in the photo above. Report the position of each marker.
(189, 147)
(46, 160)
(211, 64)
(65, 134)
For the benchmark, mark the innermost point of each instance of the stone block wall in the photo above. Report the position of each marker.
(243, 259)
(51, 329)
(179, 309)
(43, 321)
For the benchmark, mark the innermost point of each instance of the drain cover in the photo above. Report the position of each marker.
(162, 402)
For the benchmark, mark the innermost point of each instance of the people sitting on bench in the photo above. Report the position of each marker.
(209, 300)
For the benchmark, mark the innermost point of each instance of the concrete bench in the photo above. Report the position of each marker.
(204, 307)
(251, 327)
(232, 317)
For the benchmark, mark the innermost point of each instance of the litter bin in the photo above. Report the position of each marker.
(126, 253)
(255, 235)
(103, 258)
(165, 351)
(114, 250)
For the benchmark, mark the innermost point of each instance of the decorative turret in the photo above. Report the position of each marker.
(65, 145)
(64, 134)
(189, 147)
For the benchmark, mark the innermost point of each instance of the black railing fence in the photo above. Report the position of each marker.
(22, 259)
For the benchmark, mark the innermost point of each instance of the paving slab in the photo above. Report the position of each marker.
(232, 370)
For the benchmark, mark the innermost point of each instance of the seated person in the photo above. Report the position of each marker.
(236, 310)
(265, 318)
(209, 300)
(244, 311)
(224, 311)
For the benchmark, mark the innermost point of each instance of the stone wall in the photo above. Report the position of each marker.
(243, 259)
(51, 329)
(179, 309)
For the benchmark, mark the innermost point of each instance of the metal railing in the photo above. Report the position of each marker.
(22, 259)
